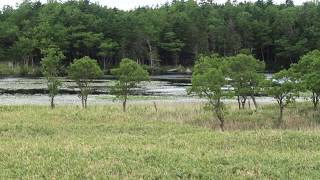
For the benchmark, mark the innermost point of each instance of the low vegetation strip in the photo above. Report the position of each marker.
(177, 141)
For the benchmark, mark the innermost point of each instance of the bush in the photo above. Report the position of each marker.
(27, 71)
(83, 71)
(6, 70)
(22, 70)
(35, 71)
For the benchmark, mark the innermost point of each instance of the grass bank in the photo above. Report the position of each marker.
(175, 142)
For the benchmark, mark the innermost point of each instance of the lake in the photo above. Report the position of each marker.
(162, 88)
(34, 90)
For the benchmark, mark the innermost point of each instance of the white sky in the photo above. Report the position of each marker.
(129, 4)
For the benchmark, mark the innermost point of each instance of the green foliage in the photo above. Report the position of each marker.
(23, 48)
(246, 77)
(5, 70)
(307, 73)
(172, 45)
(23, 70)
(245, 51)
(129, 74)
(284, 89)
(83, 71)
(107, 50)
(175, 33)
(208, 79)
(51, 65)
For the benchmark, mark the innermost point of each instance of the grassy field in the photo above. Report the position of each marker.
(178, 141)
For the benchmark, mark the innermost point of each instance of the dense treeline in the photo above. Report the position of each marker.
(171, 34)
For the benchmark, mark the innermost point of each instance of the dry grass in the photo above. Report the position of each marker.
(300, 116)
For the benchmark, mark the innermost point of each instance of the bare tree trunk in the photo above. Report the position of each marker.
(32, 61)
(82, 101)
(85, 101)
(219, 113)
(150, 54)
(290, 58)
(262, 54)
(52, 102)
(104, 64)
(176, 59)
(26, 60)
(124, 105)
(280, 120)
(239, 103)
(254, 102)
(243, 101)
(222, 125)
(315, 100)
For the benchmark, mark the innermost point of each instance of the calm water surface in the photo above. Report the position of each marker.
(34, 90)
(164, 88)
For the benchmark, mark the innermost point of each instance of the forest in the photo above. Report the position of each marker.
(171, 34)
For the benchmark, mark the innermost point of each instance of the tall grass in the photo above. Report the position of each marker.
(177, 142)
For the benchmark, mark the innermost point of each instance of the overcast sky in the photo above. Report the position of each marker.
(128, 4)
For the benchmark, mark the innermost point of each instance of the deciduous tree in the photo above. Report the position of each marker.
(208, 79)
(246, 76)
(284, 90)
(51, 64)
(129, 74)
(83, 71)
(307, 73)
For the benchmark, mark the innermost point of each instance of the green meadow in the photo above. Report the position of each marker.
(178, 141)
